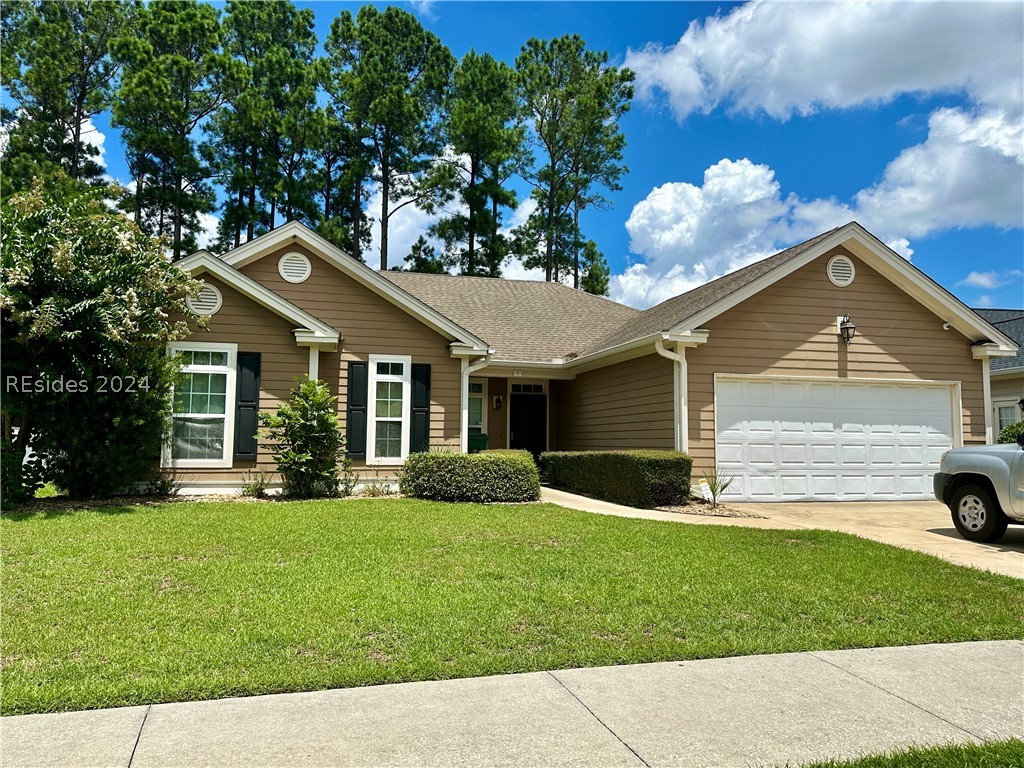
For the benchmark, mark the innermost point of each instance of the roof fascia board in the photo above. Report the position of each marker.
(527, 370)
(929, 293)
(261, 246)
(313, 330)
(617, 354)
(756, 286)
(1003, 373)
(883, 260)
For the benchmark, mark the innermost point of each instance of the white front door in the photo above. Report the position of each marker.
(830, 439)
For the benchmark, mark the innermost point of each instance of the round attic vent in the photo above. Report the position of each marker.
(841, 271)
(294, 267)
(206, 302)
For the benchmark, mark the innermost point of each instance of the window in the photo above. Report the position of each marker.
(1006, 415)
(527, 389)
(390, 406)
(202, 416)
(477, 407)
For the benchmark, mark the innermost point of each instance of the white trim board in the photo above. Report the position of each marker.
(295, 232)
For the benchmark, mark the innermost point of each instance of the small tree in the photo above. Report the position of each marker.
(308, 443)
(86, 302)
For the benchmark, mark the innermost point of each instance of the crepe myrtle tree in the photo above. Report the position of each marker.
(88, 305)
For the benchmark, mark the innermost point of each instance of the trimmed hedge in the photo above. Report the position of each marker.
(642, 479)
(478, 477)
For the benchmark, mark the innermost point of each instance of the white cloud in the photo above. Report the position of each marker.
(424, 8)
(758, 57)
(691, 234)
(90, 134)
(991, 280)
(984, 301)
(969, 171)
(207, 235)
(404, 228)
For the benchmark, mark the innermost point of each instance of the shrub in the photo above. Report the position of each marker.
(1010, 431)
(308, 442)
(635, 478)
(480, 477)
(87, 303)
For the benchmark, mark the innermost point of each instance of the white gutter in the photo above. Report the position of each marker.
(680, 399)
(467, 370)
(986, 384)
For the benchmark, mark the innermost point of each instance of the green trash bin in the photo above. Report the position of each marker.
(477, 443)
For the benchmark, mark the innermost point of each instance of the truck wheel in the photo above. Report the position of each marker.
(976, 514)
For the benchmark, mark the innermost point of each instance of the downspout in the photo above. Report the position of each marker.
(468, 369)
(681, 406)
(986, 384)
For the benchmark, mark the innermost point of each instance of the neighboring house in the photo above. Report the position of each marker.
(1007, 373)
(748, 373)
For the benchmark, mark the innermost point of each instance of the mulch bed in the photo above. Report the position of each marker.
(704, 508)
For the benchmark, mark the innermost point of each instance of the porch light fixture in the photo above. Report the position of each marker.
(845, 328)
(497, 402)
(1020, 404)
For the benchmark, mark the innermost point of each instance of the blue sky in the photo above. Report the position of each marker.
(759, 125)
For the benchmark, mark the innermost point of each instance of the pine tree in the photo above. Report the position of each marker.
(487, 146)
(56, 64)
(423, 258)
(174, 78)
(388, 78)
(595, 272)
(572, 100)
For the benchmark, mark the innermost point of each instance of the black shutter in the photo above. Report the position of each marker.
(419, 434)
(355, 420)
(247, 406)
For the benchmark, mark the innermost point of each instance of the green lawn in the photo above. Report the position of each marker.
(996, 754)
(126, 605)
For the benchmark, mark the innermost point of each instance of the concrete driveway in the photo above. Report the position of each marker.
(922, 525)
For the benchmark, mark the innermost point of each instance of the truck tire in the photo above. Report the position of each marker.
(976, 514)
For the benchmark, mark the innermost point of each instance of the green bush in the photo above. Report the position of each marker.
(635, 478)
(308, 444)
(1010, 432)
(478, 477)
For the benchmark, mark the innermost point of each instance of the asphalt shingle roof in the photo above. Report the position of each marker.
(531, 321)
(523, 320)
(1011, 323)
(670, 313)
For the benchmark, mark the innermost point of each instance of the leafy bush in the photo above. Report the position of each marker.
(308, 443)
(634, 478)
(1010, 432)
(87, 300)
(479, 477)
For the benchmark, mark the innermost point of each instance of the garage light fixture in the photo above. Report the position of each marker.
(845, 328)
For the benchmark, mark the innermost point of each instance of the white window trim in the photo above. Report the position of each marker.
(483, 406)
(371, 408)
(1004, 403)
(231, 369)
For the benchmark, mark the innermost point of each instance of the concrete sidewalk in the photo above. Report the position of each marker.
(755, 710)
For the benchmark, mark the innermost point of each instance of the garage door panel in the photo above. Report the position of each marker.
(830, 439)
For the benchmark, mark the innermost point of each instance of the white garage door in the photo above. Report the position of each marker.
(787, 439)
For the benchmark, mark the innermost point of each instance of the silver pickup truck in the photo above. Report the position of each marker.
(983, 486)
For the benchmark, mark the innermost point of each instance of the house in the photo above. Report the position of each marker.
(832, 370)
(1007, 373)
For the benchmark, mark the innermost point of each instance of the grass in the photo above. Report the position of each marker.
(996, 754)
(138, 604)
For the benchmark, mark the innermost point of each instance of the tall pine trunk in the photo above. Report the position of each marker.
(357, 219)
(385, 192)
(575, 246)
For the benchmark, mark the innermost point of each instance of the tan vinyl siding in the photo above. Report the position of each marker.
(370, 325)
(1008, 387)
(789, 329)
(254, 329)
(497, 419)
(621, 406)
